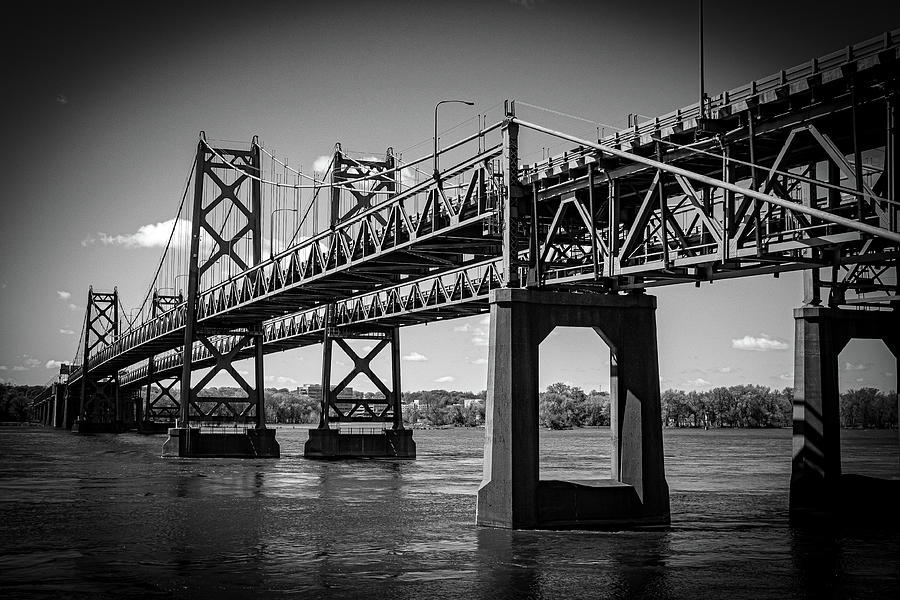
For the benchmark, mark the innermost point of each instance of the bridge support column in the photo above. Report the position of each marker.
(59, 405)
(230, 338)
(371, 439)
(511, 494)
(818, 487)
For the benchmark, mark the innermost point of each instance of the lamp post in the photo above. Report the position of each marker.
(467, 103)
(175, 283)
(272, 228)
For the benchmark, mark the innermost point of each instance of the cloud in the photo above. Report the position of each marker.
(367, 349)
(445, 379)
(61, 99)
(3, 367)
(54, 364)
(415, 357)
(63, 295)
(724, 369)
(19, 368)
(321, 164)
(849, 366)
(67, 332)
(480, 340)
(465, 327)
(860, 379)
(478, 361)
(786, 376)
(152, 235)
(280, 379)
(73, 306)
(486, 320)
(763, 343)
(29, 362)
(407, 177)
(699, 382)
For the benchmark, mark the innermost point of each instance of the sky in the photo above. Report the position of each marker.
(103, 103)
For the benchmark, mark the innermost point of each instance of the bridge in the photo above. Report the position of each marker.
(797, 171)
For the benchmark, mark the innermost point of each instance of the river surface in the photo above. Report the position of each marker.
(105, 517)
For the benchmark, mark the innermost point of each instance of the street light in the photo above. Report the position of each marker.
(175, 282)
(467, 103)
(272, 228)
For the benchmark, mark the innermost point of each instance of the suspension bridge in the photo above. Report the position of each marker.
(797, 171)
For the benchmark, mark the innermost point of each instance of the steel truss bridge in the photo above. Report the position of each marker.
(795, 171)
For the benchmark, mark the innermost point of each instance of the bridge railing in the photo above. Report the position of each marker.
(389, 226)
(818, 69)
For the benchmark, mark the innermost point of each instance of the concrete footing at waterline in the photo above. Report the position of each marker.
(188, 442)
(512, 494)
(153, 427)
(819, 488)
(326, 443)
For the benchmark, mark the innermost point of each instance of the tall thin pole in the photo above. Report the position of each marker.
(702, 86)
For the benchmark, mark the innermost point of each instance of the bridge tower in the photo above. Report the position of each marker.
(98, 400)
(379, 430)
(160, 407)
(226, 182)
(511, 494)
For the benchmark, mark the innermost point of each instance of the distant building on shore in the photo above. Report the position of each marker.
(314, 391)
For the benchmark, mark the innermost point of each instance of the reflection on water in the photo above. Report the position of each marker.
(104, 516)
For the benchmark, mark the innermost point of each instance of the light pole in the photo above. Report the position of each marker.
(175, 283)
(467, 103)
(272, 229)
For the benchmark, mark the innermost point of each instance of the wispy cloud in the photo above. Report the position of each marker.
(445, 379)
(849, 366)
(415, 357)
(480, 340)
(321, 163)
(465, 327)
(478, 361)
(724, 369)
(30, 362)
(152, 235)
(67, 332)
(763, 343)
(699, 382)
(62, 99)
(63, 295)
(53, 364)
(74, 306)
(786, 377)
(485, 320)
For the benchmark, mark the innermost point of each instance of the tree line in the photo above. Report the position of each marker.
(561, 406)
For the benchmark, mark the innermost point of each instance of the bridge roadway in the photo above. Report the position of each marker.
(644, 226)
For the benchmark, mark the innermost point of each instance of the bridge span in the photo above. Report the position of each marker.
(798, 171)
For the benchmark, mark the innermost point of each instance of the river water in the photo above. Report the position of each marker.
(105, 517)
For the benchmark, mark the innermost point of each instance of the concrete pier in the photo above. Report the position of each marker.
(511, 494)
(818, 486)
(190, 442)
(332, 444)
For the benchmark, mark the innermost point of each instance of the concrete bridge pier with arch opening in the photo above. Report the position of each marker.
(818, 487)
(512, 494)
